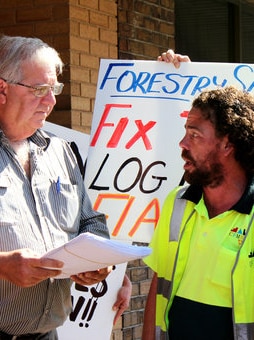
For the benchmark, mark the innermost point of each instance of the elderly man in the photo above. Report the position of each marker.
(43, 202)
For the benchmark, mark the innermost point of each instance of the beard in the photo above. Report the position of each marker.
(203, 175)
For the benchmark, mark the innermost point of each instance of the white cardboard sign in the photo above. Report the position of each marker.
(134, 158)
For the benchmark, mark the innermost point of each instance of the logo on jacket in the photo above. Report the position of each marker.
(238, 233)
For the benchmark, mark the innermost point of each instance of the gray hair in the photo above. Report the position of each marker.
(14, 51)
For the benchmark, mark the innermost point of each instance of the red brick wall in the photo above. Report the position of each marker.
(82, 32)
(48, 20)
(93, 35)
(145, 28)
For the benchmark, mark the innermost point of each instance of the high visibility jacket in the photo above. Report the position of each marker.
(170, 245)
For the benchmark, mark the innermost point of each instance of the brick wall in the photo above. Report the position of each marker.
(93, 35)
(145, 28)
(83, 31)
(48, 20)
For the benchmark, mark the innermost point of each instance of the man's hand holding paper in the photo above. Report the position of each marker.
(91, 277)
(90, 253)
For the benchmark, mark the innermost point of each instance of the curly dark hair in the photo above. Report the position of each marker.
(231, 111)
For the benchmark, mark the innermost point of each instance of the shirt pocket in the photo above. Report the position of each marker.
(66, 205)
(9, 209)
(10, 215)
(222, 267)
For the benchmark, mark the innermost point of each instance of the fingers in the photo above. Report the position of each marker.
(171, 57)
(49, 263)
(120, 306)
(24, 268)
(32, 275)
(92, 277)
(41, 269)
(168, 56)
(39, 276)
(123, 298)
(119, 313)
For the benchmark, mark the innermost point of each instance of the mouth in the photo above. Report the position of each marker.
(40, 118)
(42, 114)
(188, 164)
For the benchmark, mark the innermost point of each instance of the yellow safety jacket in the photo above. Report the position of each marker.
(170, 245)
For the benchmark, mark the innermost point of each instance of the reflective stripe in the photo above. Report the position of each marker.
(160, 335)
(244, 331)
(177, 215)
(163, 287)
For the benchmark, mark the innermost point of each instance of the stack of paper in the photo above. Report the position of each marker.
(88, 252)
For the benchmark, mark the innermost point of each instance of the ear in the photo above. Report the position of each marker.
(227, 147)
(3, 91)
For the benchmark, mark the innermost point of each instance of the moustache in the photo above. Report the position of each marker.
(187, 155)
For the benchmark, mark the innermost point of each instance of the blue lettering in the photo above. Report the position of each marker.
(131, 81)
(222, 84)
(236, 75)
(110, 67)
(185, 88)
(177, 86)
(153, 81)
(199, 86)
(135, 81)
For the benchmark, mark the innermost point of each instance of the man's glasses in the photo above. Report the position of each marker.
(41, 90)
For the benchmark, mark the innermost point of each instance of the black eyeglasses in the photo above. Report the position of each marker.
(41, 90)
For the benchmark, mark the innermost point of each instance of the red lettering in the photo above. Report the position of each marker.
(103, 122)
(142, 129)
(118, 133)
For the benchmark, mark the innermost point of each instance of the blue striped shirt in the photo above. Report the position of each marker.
(41, 213)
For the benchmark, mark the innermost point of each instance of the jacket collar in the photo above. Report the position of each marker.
(243, 206)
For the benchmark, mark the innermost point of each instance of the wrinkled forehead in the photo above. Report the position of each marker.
(42, 62)
(46, 56)
(38, 72)
(197, 116)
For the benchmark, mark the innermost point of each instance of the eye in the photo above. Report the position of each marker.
(193, 135)
(41, 91)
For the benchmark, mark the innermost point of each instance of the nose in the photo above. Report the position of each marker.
(49, 99)
(184, 143)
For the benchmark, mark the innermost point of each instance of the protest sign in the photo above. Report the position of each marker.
(92, 316)
(139, 116)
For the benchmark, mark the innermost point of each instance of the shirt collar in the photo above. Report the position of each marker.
(243, 206)
(40, 138)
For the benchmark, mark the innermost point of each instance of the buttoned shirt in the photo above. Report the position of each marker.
(41, 212)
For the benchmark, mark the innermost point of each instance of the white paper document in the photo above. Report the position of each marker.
(88, 252)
